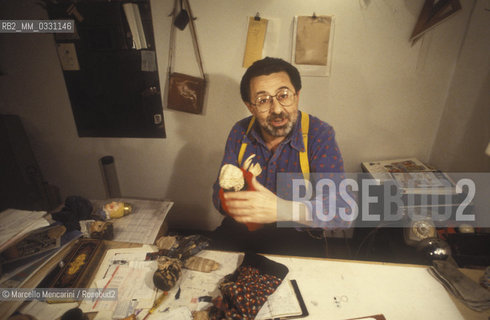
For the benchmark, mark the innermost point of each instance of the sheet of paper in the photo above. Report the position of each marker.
(103, 315)
(354, 289)
(138, 290)
(141, 225)
(255, 41)
(67, 53)
(116, 279)
(312, 37)
(142, 287)
(121, 256)
(126, 270)
(148, 61)
(124, 308)
(312, 44)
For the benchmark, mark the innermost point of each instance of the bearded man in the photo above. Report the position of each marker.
(276, 138)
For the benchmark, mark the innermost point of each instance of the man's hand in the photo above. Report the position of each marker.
(258, 206)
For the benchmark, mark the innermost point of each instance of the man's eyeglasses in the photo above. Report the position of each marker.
(285, 97)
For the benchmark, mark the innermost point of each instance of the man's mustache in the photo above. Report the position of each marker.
(280, 116)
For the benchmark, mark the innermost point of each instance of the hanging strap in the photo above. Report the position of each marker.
(243, 147)
(184, 4)
(303, 155)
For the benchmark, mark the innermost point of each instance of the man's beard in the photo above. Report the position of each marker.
(281, 131)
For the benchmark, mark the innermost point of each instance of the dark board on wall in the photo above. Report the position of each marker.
(111, 93)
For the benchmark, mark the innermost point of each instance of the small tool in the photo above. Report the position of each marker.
(157, 303)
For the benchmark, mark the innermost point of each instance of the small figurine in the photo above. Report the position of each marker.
(113, 210)
(168, 273)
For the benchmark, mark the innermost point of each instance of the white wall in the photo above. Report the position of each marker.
(384, 97)
(464, 131)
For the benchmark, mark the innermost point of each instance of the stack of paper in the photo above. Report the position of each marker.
(15, 224)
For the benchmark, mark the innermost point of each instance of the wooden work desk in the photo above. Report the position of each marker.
(398, 291)
(344, 289)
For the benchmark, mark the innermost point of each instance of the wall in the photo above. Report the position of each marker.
(464, 131)
(385, 97)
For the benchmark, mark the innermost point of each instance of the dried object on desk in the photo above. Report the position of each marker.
(201, 264)
(168, 273)
(182, 247)
(166, 243)
(200, 315)
(189, 246)
(102, 230)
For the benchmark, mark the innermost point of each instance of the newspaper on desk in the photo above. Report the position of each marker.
(126, 270)
(143, 223)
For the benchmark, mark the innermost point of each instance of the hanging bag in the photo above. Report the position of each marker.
(185, 92)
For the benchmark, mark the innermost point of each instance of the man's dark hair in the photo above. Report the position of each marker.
(267, 66)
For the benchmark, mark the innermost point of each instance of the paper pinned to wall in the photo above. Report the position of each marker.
(67, 54)
(312, 37)
(148, 61)
(255, 40)
(312, 44)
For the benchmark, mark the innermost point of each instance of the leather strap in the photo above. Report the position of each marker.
(192, 27)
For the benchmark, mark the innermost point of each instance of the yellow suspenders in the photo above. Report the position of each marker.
(243, 147)
(303, 155)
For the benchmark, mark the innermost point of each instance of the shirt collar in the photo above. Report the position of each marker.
(295, 138)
